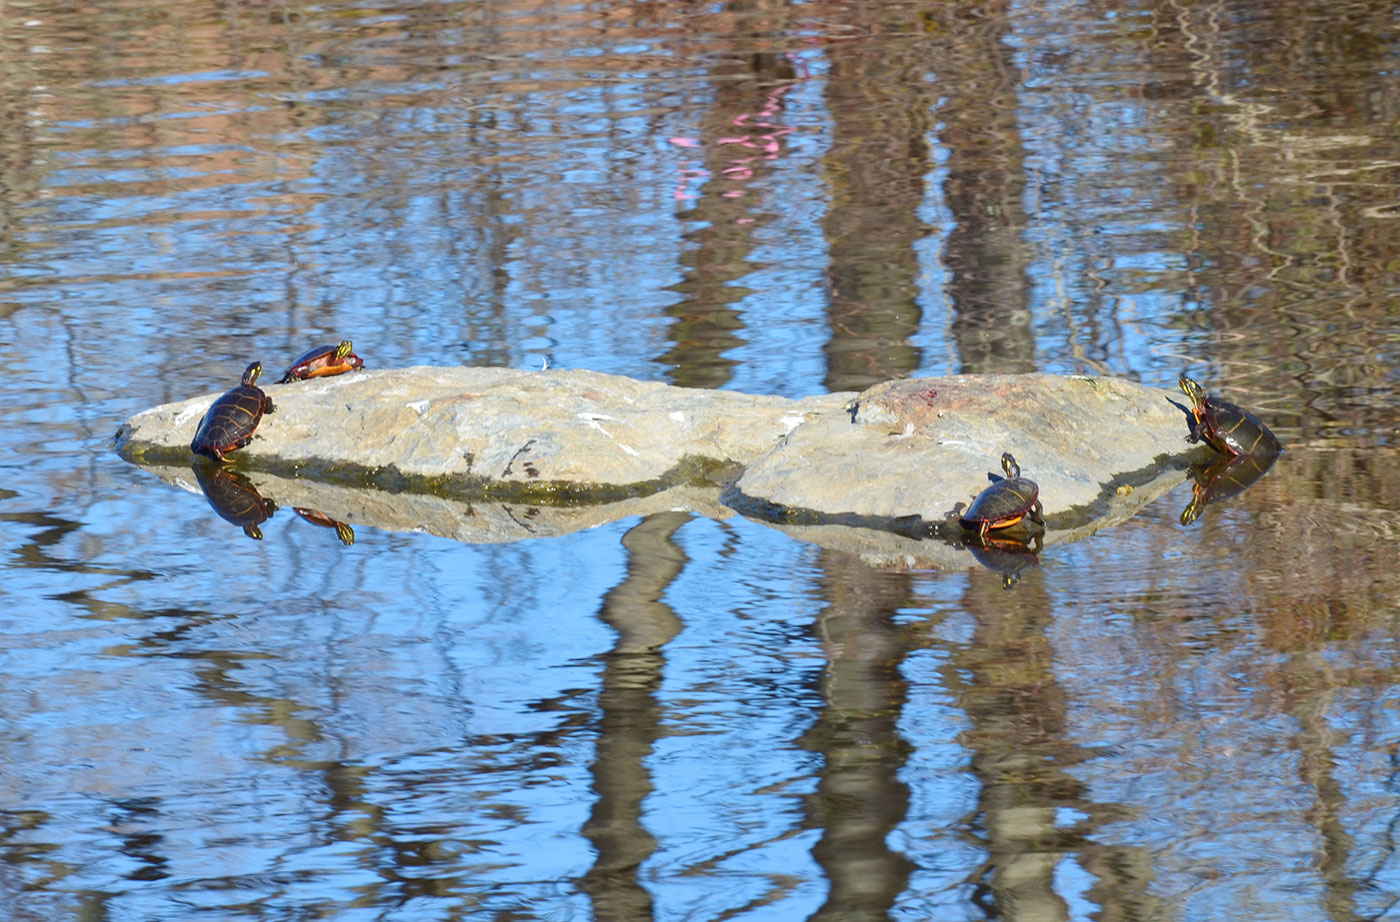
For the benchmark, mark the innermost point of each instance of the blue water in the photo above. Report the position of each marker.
(679, 717)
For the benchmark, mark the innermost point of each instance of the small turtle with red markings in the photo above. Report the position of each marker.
(1005, 502)
(322, 362)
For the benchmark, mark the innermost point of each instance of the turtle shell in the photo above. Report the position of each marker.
(323, 361)
(1225, 426)
(1234, 430)
(1005, 502)
(230, 420)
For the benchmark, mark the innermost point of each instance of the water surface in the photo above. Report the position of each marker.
(681, 717)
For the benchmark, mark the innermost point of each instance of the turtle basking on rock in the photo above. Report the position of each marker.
(230, 420)
(322, 362)
(1226, 427)
(1005, 502)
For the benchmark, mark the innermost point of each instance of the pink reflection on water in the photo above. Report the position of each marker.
(762, 142)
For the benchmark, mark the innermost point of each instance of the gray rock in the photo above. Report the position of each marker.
(465, 452)
(524, 434)
(921, 446)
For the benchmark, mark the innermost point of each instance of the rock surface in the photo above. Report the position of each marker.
(900, 456)
(921, 446)
(575, 433)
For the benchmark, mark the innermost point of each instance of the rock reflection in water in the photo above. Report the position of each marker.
(1225, 476)
(233, 497)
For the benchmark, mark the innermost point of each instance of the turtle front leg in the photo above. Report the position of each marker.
(267, 405)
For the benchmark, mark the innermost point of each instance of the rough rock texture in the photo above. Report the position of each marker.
(504, 445)
(922, 446)
(548, 431)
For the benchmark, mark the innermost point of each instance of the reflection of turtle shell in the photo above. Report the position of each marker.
(344, 532)
(1006, 556)
(1228, 428)
(230, 420)
(234, 497)
(1224, 477)
(1005, 502)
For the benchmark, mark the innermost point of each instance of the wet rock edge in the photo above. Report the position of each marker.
(1110, 506)
(693, 470)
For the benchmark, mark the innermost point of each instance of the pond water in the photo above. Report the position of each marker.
(679, 717)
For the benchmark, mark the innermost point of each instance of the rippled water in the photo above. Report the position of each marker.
(681, 717)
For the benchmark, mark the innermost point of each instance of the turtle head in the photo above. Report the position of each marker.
(342, 350)
(1193, 509)
(1193, 391)
(250, 374)
(1009, 465)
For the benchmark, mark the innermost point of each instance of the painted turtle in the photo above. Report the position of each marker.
(1005, 502)
(230, 421)
(1226, 427)
(233, 497)
(323, 361)
(1224, 477)
(344, 532)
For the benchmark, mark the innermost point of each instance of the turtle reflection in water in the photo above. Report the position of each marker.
(233, 497)
(344, 532)
(1006, 556)
(1225, 476)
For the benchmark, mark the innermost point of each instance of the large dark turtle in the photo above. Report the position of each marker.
(1226, 427)
(1005, 502)
(1224, 477)
(323, 361)
(233, 497)
(230, 421)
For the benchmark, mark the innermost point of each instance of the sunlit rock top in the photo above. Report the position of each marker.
(912, 448)
(540, 432)
(922, 445)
